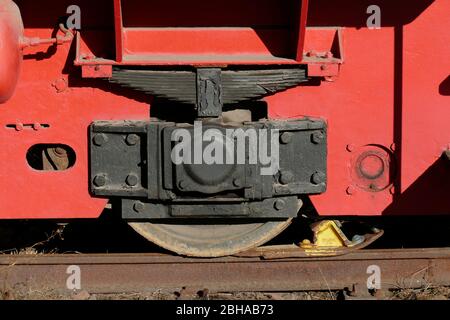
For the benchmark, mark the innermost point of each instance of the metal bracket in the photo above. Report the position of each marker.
(284, 207)
(209, 92)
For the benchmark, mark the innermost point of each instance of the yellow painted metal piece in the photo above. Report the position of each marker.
(328, 238)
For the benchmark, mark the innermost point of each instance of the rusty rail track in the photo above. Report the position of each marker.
(126, 273)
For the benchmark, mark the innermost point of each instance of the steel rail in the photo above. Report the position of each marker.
(126, 273)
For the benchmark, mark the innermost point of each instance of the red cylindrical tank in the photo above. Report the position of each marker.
(11, 32)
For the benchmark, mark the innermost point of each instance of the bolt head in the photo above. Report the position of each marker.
(139, 207)
(36, 126)
(279, 204)
(286, 137)
(100, 139)
(317, 137)
(100, 180)
(350, 190)
(237, 183)
(358, 239)
(19, 126)
(318, 177)
(60, 85)
(286, 177)
(350, 147)
(182, 184)
(132, 180)
(132, 139)
(60, 152)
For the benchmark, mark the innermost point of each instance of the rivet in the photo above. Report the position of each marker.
(286, 177)
(139, 207)
(318, 177)
(99, 180)
(100, 139)
(237, 183)
(182, 184)
(350, 147)
(286, 137)
(19, 126)
(279, 204)
(317, 137)
(132, 180)
(351, 190)
(132, 139)
(60, 85)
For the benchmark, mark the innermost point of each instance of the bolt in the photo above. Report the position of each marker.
(351, 190)
(132, 180)
(139, 207)
(311, 53)
(286, 137)
(60, 85)
(329, 55)
(100, 139)
(36, 126)
(99, 180)
(317, 137)
(279, 204)
(60, 152)
(182, 184)
(358, 239)
(286, 177)
(350, 147)
(323, 67)
(19, 126)
(318, 177)
(237, 183)
(132, 139)
(306, 242)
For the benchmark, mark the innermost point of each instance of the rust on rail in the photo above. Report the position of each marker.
(121, 273)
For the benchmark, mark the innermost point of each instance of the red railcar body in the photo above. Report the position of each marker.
(383, 92)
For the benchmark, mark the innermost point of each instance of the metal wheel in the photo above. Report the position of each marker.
(210, 240)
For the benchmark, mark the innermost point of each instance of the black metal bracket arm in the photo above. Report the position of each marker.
(209, 92)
